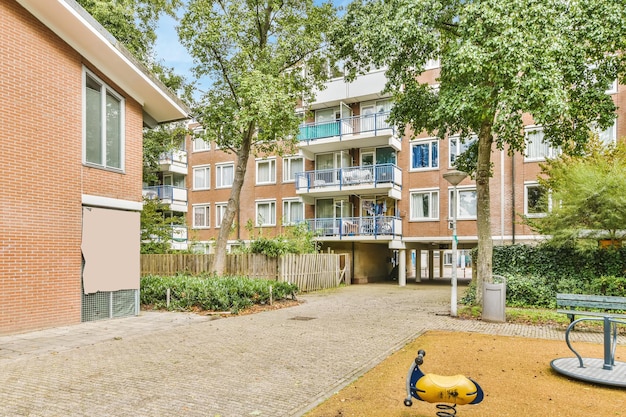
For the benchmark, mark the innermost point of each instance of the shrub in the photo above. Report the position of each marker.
(211, 293)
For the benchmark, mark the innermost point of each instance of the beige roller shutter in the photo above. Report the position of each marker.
(110, 246)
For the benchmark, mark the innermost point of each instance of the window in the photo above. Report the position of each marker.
(425, 154)
(266, 171)
(536, 203)
(220, 210)
(224, 175)
(463, 259)
(266, 213)
(612, 87)
(199, 144)
(103, 124)
(291, 166)
(202, 177)
(458, 146)
(466, 207)
(608, 135)
(201, 216)
(293, 212)
(424, 205)
(432, 64)
(536, 146)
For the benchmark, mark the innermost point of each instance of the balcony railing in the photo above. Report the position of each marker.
(371, 123)
(374, 226)
(376, 175)
(168, 194)
(174, 157)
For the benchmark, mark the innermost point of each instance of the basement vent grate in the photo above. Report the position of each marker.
(110, 304)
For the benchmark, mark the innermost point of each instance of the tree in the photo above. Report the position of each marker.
(587, 195)
(551, 59)
(133, 23)
(261, 58)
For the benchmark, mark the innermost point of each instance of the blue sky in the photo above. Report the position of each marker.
(169, 49)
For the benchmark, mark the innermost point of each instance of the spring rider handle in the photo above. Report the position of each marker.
(432, 388)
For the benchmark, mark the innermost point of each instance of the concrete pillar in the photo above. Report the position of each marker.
(431, 264)
(402, 267)
(441, 264)
(418, 265)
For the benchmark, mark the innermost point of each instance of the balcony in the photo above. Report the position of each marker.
(371, 130)
(174, 161)
(353, 180)
(175, 197)
(365, 87)
(357, 228)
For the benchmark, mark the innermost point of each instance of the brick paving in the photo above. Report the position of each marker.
(276, 363)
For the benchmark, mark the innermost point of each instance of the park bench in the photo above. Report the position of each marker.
(590, 305)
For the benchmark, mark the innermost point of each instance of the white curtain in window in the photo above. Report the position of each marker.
(417, 205)
(536, 147)
(266, 213)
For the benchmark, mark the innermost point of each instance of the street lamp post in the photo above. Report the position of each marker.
(454, 178)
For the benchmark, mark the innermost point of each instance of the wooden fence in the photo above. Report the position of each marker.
(309, 272)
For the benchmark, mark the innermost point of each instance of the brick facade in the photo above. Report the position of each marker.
(41, 82)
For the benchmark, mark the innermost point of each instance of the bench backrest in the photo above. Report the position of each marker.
(591, 301)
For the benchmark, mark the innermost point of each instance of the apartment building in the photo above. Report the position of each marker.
(74, 104)
(365, 189)
(171, 191)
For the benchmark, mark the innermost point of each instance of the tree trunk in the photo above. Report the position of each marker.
(483, 211)
(219, 261)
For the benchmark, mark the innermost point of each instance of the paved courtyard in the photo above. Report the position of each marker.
(276, 363)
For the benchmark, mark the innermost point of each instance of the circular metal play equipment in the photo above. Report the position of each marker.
(449, 391)
(606, 372)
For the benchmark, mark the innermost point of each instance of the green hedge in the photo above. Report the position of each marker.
(535, 274)
(211, 293)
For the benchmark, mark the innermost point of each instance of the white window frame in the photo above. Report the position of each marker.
(613, 88)
(432, 64)
(207, 216)
(220, 209)
(454, 151)
(432, 142)
(433, 205)
(207, 181)
(271, 163)
(534, 184)
(287, 203)
(550, 151)
(288, 174)
(219, 175)
(610, 132)
(104, 90)
(198, 143)
(272, 207)
(453, 200)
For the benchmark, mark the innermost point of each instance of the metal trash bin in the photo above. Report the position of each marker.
(494, 300)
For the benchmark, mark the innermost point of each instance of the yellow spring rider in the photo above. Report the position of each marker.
(432, 388)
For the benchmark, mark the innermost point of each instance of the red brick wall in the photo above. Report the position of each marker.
(43, 176)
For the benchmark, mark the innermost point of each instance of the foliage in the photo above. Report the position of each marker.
(156, 230)
(156, 142)
(262, 59)
(535, 274)
(550, 59)
(588, 195)
(132, 22)
(298, 239)
(211, 293)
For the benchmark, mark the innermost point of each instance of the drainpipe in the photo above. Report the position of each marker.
(513, 200)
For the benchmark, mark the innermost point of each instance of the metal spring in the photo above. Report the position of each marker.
(448, 410)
